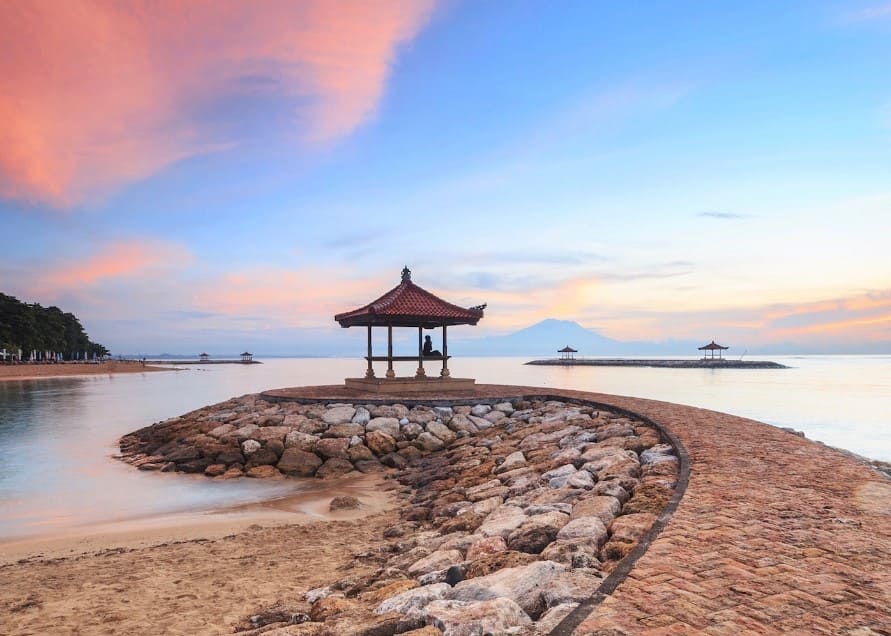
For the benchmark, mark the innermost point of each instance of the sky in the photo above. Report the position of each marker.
(217, 176)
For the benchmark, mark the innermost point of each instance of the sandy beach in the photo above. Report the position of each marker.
(10, 372)
(190, 573)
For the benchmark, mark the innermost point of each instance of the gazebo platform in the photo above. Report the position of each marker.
(410, 384)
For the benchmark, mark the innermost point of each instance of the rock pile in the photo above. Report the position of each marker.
(510, 515)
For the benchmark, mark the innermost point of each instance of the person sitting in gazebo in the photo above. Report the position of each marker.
(429, 351)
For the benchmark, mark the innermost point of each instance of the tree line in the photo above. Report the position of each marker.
(31, 327)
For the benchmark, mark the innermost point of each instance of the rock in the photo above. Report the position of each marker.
(480, 410)
(498, 561)
(558, 477)
(269, 433)
(262, 457)
(214, 470)
(492, 488)
(303, 441)
(380, 442)
(461, 424)
(553, 617)
(504, 407)
(359, 452)
(575, 553)
(298, 463)
(588, 528)
(389, 410)
(345, 502)
(348, 430)
(263, 472)
(338, 415)
(631, 527)
(604, 508)
(454, 575)
(233, 472)
(481, 424)
(612, 489)
(245, 432)
(656, 454)
(581, 479)
(429, 442)
(444, 413)
(524, 585)
(222, 430)
(619, 463)
(439, 560)
(334, 467)
(381, 594)
(537, 532)
(333, 447)
(494, 416)
(250, 446)
(368, 466)
(393, 460)
(441, 431)
(411, 430)
(413, 599)
(485, 546)
(512, 462)
(463, 618)
(230, 457)
(389, 425)
(276, 446)
(331, 606)
(362, 416)
(318, 593)
(502, 521)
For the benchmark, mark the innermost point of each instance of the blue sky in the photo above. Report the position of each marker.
(673, 171)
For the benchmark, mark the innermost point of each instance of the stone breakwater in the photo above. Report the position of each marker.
(510, 514)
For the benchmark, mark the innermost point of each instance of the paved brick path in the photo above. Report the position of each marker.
(774, 535)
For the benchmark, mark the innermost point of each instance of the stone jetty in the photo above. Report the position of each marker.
(512, 511)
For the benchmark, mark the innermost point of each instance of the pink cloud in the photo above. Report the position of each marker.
(97, 93)
(132, 259)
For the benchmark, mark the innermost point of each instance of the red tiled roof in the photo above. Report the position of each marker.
(408, 305)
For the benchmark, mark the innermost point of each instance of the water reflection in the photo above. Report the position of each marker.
(58, 436)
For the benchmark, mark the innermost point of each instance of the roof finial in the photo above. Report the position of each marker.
(406, 274)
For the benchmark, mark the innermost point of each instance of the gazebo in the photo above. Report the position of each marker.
(247, 357)
(710, 349)
(408, 305)
(203, 357)
(567, 353)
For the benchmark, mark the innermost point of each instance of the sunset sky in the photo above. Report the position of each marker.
(214, 176)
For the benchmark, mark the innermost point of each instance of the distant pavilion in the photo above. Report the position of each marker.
(567, 353)
(408, 305)
(710, 349)
(203, 357)
(247, 357)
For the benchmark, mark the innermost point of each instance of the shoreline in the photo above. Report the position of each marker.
(661, 363)
(145, 532)
(41, 371)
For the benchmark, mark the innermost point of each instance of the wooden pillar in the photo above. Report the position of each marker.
(445, 353)
(390, 373)
(420, 373)
(369, 373)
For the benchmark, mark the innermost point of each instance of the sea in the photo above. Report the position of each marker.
(58, 436)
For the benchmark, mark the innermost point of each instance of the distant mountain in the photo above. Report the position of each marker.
(544, 338)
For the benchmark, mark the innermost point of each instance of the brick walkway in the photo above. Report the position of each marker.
(774, 535)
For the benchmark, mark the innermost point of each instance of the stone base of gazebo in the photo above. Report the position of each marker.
(409, 384)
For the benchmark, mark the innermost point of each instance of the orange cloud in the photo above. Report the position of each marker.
(122, 260)
(100, 93)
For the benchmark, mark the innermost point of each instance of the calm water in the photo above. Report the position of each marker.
(57, 436)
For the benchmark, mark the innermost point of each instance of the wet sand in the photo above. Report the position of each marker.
(9, 372)
(188, 573)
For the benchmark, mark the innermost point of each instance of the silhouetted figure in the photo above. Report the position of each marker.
(429, 351)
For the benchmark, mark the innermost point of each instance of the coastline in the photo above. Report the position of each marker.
(661, 363)
(28, 371)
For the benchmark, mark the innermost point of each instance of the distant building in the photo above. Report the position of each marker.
(203, 357)
(710, 349)
(247, 357)
(567, 353)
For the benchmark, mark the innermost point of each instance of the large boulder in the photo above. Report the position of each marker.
(269, 433)
(349, 430)
(334, 467)
(603, 507)
(439, 560)
(338, 415)
(587, 528)
(462, 618)
(524, 585)
(441, 431)
(298, 463)
(379, 442)
(537, 532)
(502, 521)
(262, 457)
(333, 447)
(429, 442)
(413, 599)
(389, 425)
(303, 441)
(512, 462)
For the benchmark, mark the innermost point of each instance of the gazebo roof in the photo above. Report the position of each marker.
(408, 305)
(247, 353)
(567, 349)
(712, 346)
